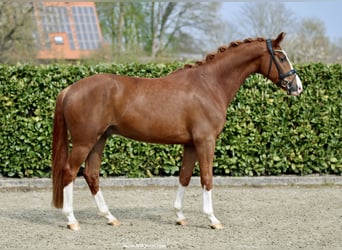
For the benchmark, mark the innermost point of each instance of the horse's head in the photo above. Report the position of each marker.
(278, 68)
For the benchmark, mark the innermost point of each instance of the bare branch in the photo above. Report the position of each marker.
(14, 31)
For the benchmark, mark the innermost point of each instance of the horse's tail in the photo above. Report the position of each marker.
(60, 151)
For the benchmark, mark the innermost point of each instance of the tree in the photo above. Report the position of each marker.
(16, 39)
(188, 26)
(337, 51)
(311, 43)
(265, 19)
(121, 24)
(158, 27)
(306, 40)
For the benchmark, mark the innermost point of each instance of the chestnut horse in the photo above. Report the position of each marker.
(186, 107)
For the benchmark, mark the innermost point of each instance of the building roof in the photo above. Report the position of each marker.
(67, 30)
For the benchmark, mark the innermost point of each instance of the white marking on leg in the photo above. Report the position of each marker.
(102, 206)
(68, 203)
(178, 205)
(208, 207)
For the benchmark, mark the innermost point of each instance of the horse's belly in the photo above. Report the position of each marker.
(155, 132)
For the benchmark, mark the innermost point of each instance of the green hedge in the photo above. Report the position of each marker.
(267, 132)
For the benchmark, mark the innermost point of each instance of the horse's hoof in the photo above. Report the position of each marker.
(74, 227)
(217, 226)
(114, 223)
(181, 222)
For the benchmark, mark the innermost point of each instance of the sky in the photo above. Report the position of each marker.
(329, 12)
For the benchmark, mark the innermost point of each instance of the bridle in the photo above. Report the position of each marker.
(282, 83)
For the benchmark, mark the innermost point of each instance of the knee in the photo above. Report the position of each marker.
(184, 180)
(207, 182)
(92, 181)
(68, 176)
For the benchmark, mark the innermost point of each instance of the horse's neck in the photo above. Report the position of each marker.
(232, 68)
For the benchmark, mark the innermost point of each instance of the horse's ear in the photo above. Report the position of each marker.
(280, 38)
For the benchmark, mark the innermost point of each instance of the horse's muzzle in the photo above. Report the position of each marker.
(296, 88)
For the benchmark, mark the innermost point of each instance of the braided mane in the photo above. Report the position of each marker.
(211, 56)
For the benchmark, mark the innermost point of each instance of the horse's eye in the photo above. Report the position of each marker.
(282, 59)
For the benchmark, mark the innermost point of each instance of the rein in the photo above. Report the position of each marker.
(284, 83)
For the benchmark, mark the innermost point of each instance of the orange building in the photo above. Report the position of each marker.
(67, 30)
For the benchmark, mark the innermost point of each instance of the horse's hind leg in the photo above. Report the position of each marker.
(91, 174)
(76, 157)
(188, 164)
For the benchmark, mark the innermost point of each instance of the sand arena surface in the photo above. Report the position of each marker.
(254, 218)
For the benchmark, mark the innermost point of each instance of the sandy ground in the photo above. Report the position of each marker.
(254, 218)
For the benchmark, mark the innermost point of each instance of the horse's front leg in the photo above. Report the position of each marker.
(178, 206)
(188, 164)
(205, 151)
(209, 211)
